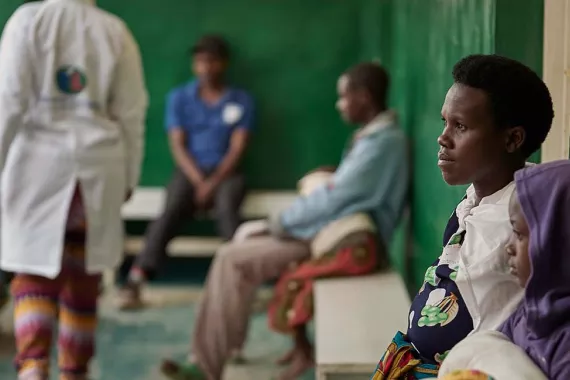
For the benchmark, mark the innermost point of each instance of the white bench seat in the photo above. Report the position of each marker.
(355, 321)
(187, 246)
(147, 203)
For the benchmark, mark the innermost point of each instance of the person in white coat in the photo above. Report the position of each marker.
(72, 112)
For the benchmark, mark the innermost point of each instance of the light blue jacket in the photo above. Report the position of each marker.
(372, 178)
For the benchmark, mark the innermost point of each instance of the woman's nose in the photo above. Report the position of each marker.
(444, 140)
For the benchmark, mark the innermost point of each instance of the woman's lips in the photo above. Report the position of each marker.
(444, 160)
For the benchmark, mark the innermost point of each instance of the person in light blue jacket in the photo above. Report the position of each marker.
(371, 180)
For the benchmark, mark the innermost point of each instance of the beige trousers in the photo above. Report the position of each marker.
(239, 268)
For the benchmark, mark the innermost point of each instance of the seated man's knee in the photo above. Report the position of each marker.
(228, 255)
(224, 250)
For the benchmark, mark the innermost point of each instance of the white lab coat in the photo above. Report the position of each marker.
(57, 129)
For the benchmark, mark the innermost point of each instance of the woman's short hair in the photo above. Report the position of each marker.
(517, 95)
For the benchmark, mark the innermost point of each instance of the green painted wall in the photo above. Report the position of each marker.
(521, 43)
(289, 54)
(6, 9)
(419, 41)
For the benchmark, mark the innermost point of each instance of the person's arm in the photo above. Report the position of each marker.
(231, 160)
(177, 138)
(128, 106)
(16, 75)
(362, 180)
(238, 145)
(184, 161)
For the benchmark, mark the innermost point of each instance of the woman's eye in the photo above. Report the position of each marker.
(460, 127)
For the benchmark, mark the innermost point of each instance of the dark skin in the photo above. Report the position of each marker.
(473, 149)
(517, 247)
(357, 107)
(210, 71)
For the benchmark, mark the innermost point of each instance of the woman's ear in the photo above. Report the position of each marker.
(515, 137)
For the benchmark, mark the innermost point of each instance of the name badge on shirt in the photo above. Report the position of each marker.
(232, 113)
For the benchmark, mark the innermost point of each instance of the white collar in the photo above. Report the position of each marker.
(497, 197)
(383, 120)
(501, 196)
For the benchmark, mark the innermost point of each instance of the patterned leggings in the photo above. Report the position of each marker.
(40, 303)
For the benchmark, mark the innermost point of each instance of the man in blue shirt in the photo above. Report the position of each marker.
(208, 124)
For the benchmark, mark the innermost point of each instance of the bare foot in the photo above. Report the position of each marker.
(287, 358)
(300, 363)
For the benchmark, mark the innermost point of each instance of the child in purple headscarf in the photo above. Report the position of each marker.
(539, 252)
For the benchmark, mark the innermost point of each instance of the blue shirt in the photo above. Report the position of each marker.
(435, 327)
(372, 178)
(208, 127)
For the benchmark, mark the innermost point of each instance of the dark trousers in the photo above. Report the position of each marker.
(180, 207)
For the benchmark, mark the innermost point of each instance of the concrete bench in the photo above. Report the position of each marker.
(355, 321)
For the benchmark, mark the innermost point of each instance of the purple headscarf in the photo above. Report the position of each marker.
(541, 324)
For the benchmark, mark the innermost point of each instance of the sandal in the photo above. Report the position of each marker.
(130, 297)
(175, 371)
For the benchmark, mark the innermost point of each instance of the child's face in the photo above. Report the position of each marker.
(517, 247)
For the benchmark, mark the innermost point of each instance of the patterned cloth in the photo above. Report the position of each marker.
(70, 300)
(438, 318)
(401, 361)
(292, 304)
(40, 303)
(467, 375)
